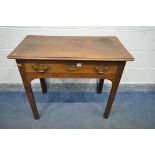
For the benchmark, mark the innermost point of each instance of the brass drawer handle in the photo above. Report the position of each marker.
(39, 69)
(102, 72)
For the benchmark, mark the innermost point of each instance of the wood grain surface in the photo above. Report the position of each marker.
(91, 48)
(71, 67)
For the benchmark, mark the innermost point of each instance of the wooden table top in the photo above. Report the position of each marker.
(91, 48)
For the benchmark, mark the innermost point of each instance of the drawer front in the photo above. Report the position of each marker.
(96, 68)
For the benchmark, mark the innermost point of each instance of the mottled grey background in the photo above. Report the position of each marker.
(140, 41)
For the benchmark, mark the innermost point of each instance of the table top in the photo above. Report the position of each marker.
(91, 48)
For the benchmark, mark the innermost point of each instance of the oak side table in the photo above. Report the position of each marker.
(102, 57)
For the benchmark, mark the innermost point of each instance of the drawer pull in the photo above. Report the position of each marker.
(39, 69)
(72, 67)
(101, 72)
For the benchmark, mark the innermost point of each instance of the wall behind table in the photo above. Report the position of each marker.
(140, 41)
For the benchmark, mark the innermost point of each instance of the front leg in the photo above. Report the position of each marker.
(28, 90)
(30, 96)
(115, 84)
(111, 98)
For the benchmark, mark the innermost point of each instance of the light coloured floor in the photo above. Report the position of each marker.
(78, 110)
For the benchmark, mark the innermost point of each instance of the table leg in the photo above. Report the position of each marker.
(115, 84)
(28, 90)
(43, 85)
(31, 99)
(100, 86)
